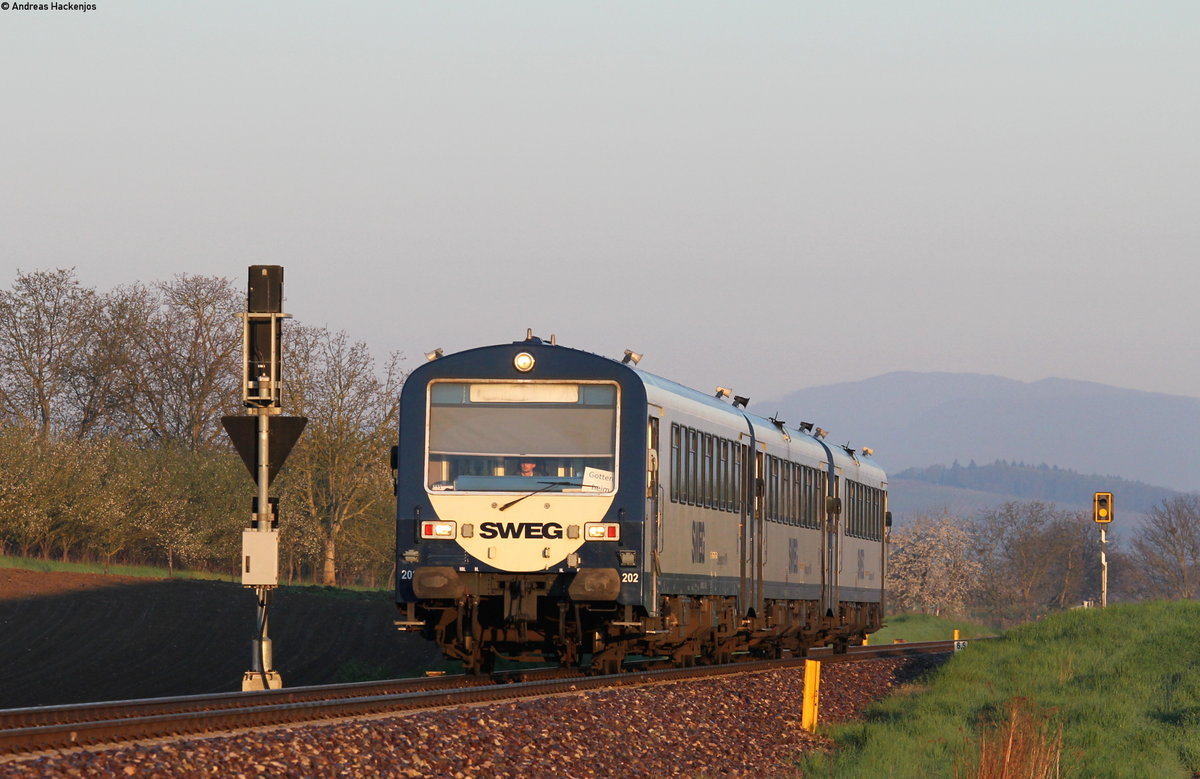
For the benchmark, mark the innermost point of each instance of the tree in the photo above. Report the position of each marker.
(338, 473)
(1034, 557)
(930, 567)
(99, 391)
(184, 370)
(46, 321)
(1168, 549)
(26, 486)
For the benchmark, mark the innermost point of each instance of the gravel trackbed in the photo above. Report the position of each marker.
(743, 725)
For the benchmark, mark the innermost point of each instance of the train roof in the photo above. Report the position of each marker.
(702, 404)
(766, 429)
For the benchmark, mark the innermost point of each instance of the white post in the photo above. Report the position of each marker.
(1103, 569)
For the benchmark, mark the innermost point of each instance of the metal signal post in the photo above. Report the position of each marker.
(252, 437)
(1102, 514)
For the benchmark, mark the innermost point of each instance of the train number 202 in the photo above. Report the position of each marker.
(627, 578)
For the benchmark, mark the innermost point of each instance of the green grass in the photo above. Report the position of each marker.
(1123, 682)
(153, 572)
(143, 571)
(926, 627)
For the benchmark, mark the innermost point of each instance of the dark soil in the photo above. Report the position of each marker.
(71, 638)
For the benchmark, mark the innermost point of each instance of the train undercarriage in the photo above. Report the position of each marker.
(527, 619)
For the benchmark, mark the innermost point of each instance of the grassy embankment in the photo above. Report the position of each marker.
(143, 571)
(911, 628)
(1087, 693)
(152, 572)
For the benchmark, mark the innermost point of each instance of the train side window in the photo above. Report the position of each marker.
(792, 477)
(726, 487)
(848, 511)
(855, 509)
(805, 503)
(785, 489)
(765, 480)
(706, 465)
(777, 489)
(689, 464)
(739, 477)
(864, 518)
(798, 494)
(820, 488)
(852, 509)
(675, 463)
(784, 483)
(693, 477)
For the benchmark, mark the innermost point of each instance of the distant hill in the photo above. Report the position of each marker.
(1041, 482)
(971, 488)
(915, 420)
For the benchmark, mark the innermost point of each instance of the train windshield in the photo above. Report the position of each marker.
(510, 437)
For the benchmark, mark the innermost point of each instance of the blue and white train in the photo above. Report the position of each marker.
(556, 503)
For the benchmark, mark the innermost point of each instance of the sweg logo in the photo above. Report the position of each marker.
(520, 530)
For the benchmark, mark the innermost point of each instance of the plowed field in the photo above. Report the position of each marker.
(69, 637)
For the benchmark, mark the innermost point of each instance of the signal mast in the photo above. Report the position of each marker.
(263, 438)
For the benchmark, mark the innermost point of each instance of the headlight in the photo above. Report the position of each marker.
(602, 531)
(523, 362)
(437, 530)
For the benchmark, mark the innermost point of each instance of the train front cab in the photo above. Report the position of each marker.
(491, 562)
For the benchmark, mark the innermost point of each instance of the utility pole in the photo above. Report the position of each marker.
(1102, 514)
(263, 455)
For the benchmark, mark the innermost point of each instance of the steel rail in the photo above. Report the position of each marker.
(58, 727)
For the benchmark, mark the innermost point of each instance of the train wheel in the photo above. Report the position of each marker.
(568, 654)
(480, 663)
(607, 662)
(684, 659)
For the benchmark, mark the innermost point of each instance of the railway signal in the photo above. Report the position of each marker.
(1102, 514)
(262, 390)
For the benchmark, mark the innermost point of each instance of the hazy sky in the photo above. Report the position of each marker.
(764, 195)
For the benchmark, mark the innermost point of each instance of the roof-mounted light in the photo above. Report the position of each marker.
(523, 362)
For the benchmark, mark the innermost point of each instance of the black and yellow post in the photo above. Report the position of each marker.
(263, 438)
(1102, 515)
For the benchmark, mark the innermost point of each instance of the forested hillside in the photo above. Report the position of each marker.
(1039, 482)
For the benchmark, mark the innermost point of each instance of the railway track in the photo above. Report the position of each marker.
(57, 727)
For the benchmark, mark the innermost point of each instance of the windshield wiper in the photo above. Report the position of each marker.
(548, 484)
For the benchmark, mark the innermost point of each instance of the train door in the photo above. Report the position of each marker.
(760, 530)
(653, 515)
(744, 461)
(833, 555)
